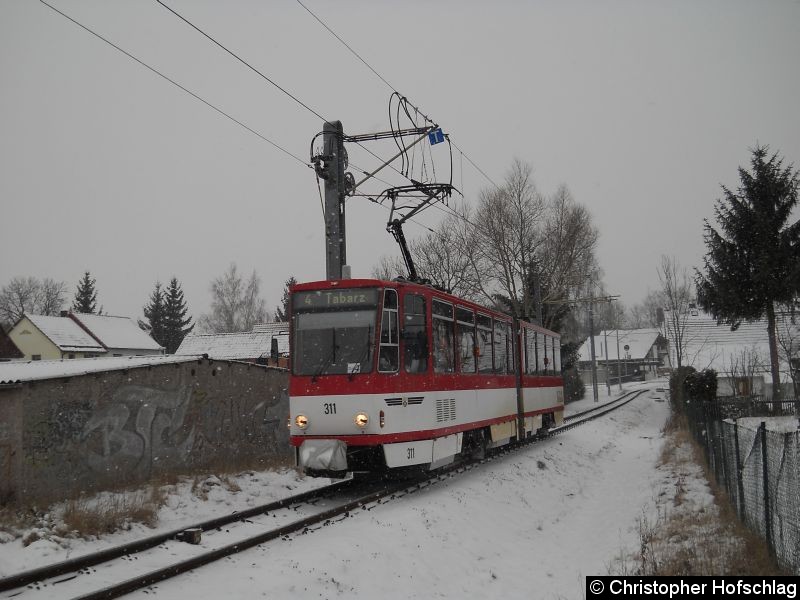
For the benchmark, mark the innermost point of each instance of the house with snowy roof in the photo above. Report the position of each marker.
(249, 346)
(120, 336)
(633, 354)
(51, 338)
(741, 356)
(73, 335)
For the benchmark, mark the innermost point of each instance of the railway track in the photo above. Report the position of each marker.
(139, 565)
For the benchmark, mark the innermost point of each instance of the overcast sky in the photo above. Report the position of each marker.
(641, 108)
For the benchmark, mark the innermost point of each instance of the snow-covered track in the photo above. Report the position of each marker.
(594, 412)
(51, 581)
(87, 561)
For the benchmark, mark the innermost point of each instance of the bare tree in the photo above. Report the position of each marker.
(508, 232)
(646, 313)
(443, 256)
(742, 367)
(236, 305)
(388, 268)
(789, 341)
(30, 295)
(566, 258)
(677, 294)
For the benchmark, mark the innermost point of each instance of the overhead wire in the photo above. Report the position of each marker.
(241, 60)
(265, 77)
(178, 85)
(382, 78)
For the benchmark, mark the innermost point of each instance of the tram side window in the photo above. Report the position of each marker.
(500, 341)
(389, 358)
(556, 356)
(530, 347)
(465, 325)
(415, 334)
(444, 360)
(548, 349)
(484, 344)
(539, 353)
(511, 361)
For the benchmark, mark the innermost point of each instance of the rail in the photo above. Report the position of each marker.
(372, 493)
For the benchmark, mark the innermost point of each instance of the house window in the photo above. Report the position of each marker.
(71, 356)
(36, 357)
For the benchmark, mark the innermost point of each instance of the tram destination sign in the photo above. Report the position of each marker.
(332, 299)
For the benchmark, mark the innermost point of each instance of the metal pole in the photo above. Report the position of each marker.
(619, 363)
(335, 241)
(608, 382)
(765, 472)
(591, 345)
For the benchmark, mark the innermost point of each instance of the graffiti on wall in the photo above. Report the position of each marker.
(139, 427)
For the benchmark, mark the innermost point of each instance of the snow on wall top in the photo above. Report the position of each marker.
(36, 370)
(236, 346)
(66, 334)
(117, 332)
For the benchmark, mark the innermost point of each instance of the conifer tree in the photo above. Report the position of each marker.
(282, 312)
(753, 261)
(176, 324)
(85, 300)
(154, 313)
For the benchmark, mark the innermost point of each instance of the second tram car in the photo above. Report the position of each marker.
(390, 375)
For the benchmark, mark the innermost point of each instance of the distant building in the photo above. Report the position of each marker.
(250, 346)
(741, 357)
(73, 335)
(120, 336)
(636, 355)
(52, 338)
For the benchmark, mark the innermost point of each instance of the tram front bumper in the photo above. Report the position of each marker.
(323, 455)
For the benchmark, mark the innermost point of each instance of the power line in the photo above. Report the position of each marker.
(175, 83)
(382, 78)
(464, 154)
(346, 45)
(265, 77)
(241, 60)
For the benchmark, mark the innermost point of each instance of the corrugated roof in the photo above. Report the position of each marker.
(66, 334)
(35, 370)
(236, 346)
(117, 333)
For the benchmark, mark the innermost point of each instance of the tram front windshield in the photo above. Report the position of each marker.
(328, 342)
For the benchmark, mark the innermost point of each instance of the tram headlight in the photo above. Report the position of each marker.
(361, 420)
(301, 421)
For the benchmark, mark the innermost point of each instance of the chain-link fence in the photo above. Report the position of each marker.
(757, 460)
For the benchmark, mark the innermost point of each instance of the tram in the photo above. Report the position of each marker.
(394, 375)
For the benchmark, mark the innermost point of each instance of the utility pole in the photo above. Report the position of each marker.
(334, 163)
(591, 345)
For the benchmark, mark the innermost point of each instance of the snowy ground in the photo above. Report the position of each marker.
(529, 525)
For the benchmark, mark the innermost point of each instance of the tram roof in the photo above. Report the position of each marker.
(428, 290)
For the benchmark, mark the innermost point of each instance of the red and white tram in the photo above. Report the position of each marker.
(392, 374)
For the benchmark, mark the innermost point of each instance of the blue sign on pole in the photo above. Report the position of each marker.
(436, 136)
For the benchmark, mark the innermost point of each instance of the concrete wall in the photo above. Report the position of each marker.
(117, 428)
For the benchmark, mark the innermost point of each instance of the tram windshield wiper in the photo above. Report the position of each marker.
(329, 358)
(364, 355)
